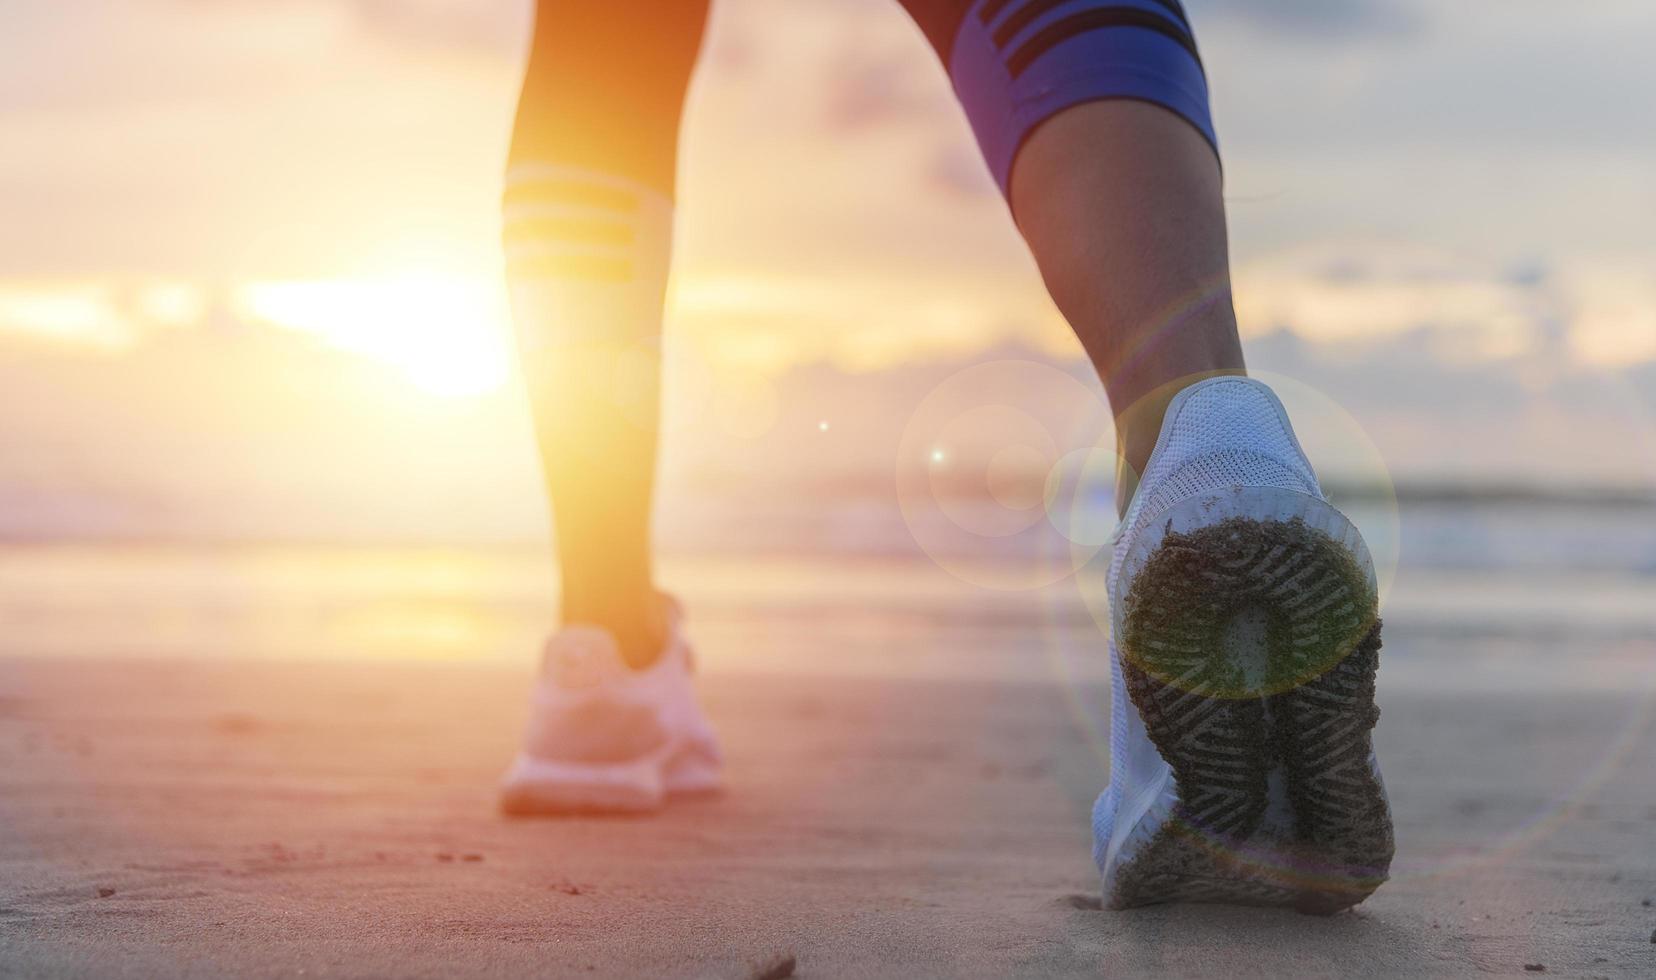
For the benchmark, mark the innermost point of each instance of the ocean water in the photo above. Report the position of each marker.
(1519, 578)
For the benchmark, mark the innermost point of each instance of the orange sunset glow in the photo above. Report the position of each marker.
(367, 610)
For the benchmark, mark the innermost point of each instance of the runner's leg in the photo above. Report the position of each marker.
(1093, 117)
(587, 230)
(1241, 764)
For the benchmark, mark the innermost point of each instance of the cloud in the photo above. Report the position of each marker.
(880, 79)
(104, 57)
(1358, 292)
(458, 25)
(958, 171)
(1589, 311)
(464, 25)
(231, 427)
(1318, 19)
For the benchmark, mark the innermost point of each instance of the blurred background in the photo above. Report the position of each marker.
(274, 554)
(257, 392)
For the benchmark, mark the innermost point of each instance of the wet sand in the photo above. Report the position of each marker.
(186, 817)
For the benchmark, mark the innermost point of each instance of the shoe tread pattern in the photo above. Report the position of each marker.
(1305, 709)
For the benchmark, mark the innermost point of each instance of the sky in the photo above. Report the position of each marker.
(249, 261)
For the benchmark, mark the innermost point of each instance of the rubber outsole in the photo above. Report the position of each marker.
(537, 787)
(547, 800)
(1249, 647)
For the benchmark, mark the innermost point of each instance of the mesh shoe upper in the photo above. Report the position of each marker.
(1222, 432)
(589, 707)
(585, 710)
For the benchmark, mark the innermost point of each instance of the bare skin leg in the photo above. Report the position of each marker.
(590, 342)
(1120, 203)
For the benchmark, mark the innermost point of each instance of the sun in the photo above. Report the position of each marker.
(448, 335)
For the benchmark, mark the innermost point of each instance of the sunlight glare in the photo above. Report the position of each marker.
(76, 314)
(447, 335)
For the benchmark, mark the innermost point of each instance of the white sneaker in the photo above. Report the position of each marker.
(1245, 636)
(604, 737)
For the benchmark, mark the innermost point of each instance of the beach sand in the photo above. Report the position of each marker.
(193, 817)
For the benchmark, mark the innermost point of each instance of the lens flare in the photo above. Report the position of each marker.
(975, 474)
(1079, 495)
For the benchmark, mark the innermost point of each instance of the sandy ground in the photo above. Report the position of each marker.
(183, 817)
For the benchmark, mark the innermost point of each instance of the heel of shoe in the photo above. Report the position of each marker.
(542, 787)
(1249, 637)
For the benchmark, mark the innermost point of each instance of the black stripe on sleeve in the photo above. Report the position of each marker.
(1097, 19)
(1034, 9)
(990, 10)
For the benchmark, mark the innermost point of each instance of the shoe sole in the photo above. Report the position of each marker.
(542, 787)
(1249, 646)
